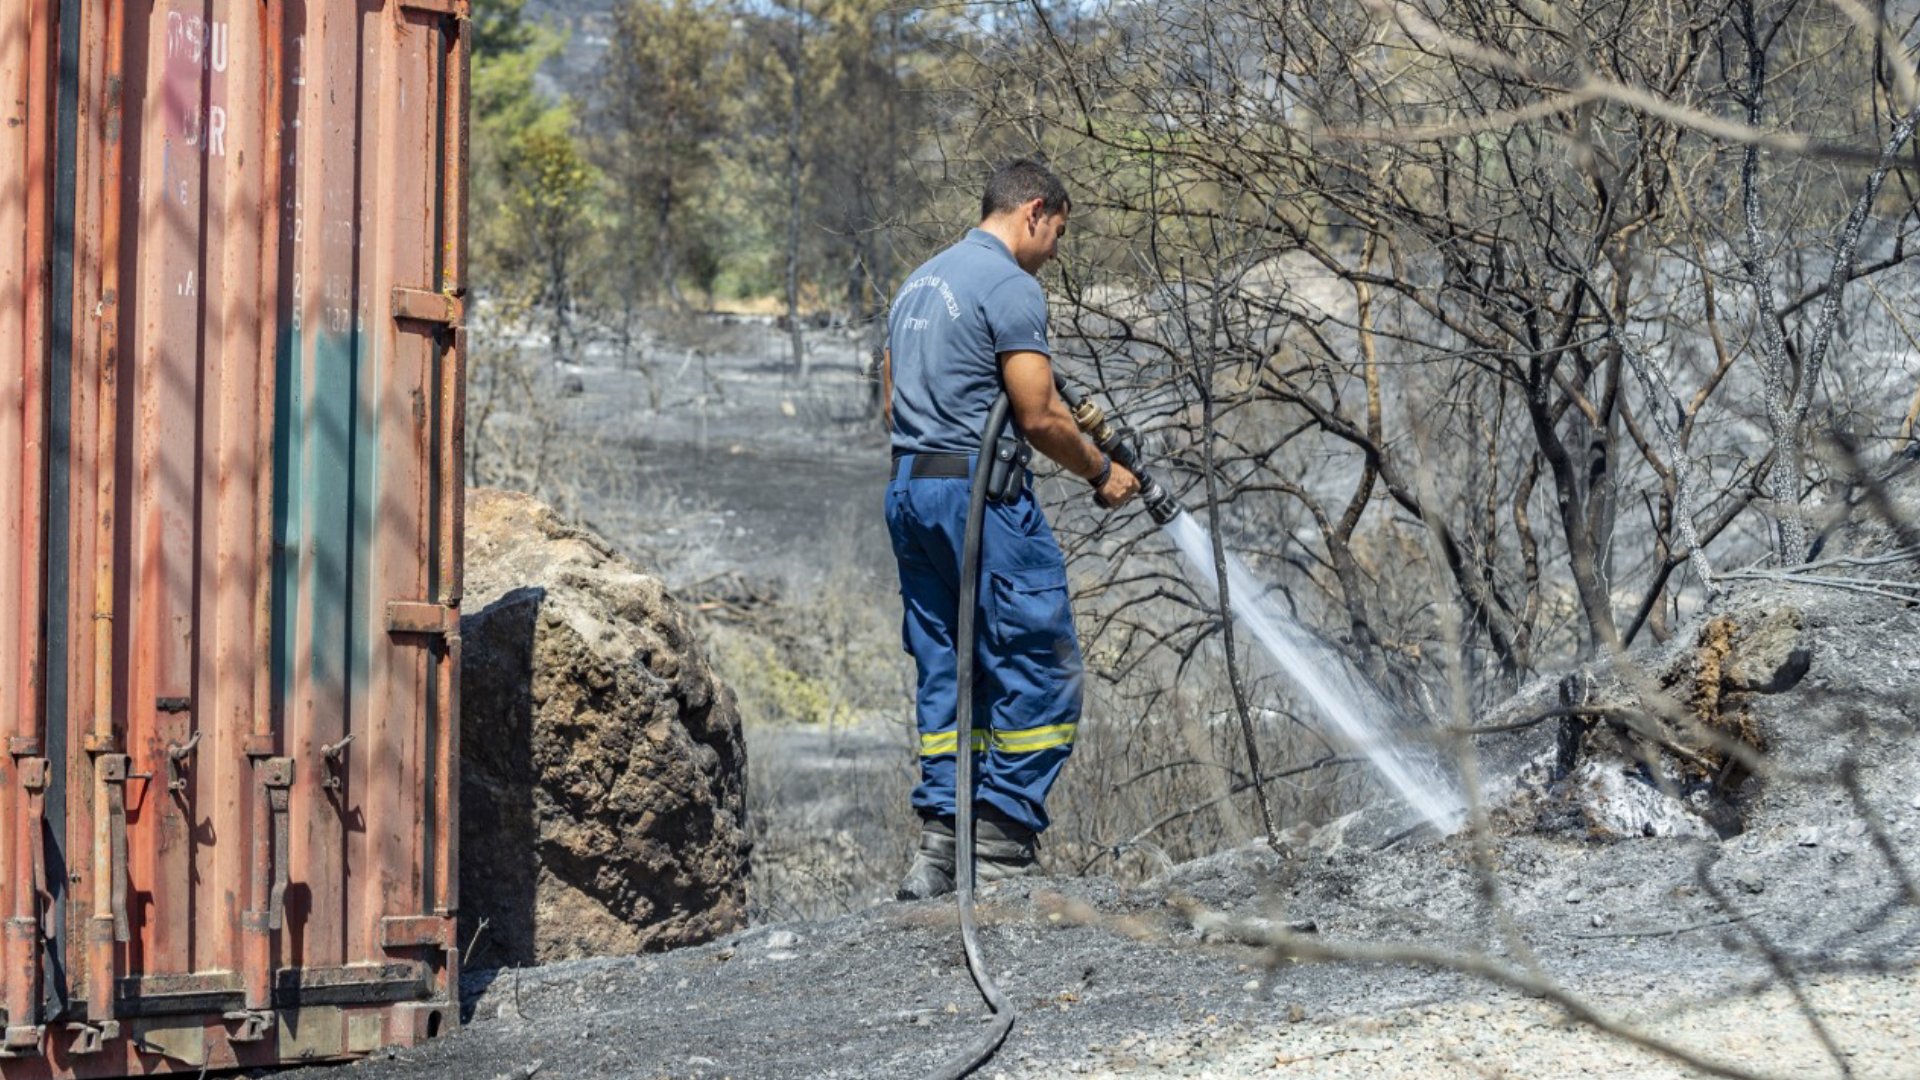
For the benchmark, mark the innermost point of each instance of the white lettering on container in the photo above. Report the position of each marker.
(198, 52)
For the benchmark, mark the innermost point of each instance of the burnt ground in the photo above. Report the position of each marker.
(742, 467)
(1687, 936)
(1130, 982)
(884, 993)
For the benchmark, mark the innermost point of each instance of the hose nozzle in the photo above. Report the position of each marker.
(1118, 443)
(1160, 503)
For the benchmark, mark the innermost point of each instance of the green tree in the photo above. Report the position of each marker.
(836, 117)
(548, 218)
(659, 121)
(532, 188)
(869, 54)
(531, 203)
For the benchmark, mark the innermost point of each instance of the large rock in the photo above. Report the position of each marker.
(602, 791)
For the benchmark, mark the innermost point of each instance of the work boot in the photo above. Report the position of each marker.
(931, 874)
(1002, 849)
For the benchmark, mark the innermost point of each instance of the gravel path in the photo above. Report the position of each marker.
(1872, 1018)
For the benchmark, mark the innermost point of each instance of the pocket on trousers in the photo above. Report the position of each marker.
(894, 514)
(1030, 611)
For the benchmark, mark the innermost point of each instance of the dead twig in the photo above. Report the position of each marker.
(1886, 590)
(1669, 931)
(475, 939)
(1285, 944)
(1569, 96)
(1593, 711)
(1116, 849)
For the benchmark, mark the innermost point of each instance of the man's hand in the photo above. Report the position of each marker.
(1121, 486)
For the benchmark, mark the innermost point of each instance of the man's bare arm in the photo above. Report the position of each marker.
(1043, 418)
(886, 389)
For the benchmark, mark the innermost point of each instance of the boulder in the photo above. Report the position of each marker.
(603, 769)
(1772, 656)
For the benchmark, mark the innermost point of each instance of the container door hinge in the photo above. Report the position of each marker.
(456, 8)
(415, 932)
(91, 1038)
(254, 1024)
(424, 305)
(421, 617)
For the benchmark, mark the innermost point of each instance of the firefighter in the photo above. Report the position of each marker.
(969, 323)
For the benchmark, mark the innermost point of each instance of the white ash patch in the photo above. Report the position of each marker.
(1615, 802)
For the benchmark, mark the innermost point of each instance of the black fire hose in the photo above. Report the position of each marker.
(1118, 444)
(983, 1047)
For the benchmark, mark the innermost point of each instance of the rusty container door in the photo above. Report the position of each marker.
(25, 187)
(231, 666)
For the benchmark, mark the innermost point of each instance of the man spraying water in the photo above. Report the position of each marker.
(970, 324)
(982, 579)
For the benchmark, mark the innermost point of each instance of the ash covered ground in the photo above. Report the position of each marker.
(1706, 943)
(1716, 946)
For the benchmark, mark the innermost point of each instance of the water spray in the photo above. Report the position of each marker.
(1347, 701)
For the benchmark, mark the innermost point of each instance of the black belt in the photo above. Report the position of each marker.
(951, 466)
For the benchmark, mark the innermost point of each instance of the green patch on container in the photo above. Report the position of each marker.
(289, 453)
(329, 486)
(326, 466)
(366, 501)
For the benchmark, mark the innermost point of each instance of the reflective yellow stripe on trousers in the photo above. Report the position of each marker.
(1024, 741)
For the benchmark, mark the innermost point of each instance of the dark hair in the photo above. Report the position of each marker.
(1021, 181)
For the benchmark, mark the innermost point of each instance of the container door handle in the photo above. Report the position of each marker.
(117, 810)
(37, 823)
(277, 902)
(33, 777)
(279, 779)
(113, 770)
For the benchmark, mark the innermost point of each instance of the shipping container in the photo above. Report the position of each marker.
(232, 270)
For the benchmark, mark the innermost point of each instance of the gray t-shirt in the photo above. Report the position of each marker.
(949, 323)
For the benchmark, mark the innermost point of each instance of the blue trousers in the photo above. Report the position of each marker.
(1027, 667)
